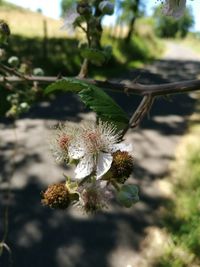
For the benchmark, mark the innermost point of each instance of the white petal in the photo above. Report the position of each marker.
(84, 167)
(76, 152)
(104, 162)
(123, 147)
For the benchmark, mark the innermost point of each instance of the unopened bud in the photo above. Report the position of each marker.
(38, 72)
(13, 61)
(106, 7)
(24, 106)
(84, 9)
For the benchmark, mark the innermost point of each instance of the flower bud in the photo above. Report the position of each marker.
(122, 166)
(24, 106)
(84, 9)
(13, 61)
(38, 72)
(56, 196)
(106, 7)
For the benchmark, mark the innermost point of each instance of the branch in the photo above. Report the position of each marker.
(143, 108)
(126, 86)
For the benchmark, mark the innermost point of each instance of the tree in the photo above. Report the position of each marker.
(166, 26)
(131, 10)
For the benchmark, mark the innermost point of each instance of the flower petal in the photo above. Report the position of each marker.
(104, 162)
(84, 167)
(75, 152)
(123, 147)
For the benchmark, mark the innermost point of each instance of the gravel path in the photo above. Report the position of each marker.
(40, 237)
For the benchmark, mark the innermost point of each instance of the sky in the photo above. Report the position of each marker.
(51, 8)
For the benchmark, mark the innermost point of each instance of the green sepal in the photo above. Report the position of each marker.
(128, 195)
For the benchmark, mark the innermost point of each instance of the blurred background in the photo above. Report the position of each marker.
(162, 229)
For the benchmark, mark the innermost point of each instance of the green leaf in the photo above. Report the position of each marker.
(95, 56)
(105, 107)
(67, 85)
(128, 195)
(94, 98)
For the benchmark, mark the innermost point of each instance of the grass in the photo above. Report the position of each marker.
(182, 214)
(29, 24)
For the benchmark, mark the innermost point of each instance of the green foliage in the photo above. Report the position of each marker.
(166, 26)
(96, 57)
(128, 195)
(182, 214)
(95, 98)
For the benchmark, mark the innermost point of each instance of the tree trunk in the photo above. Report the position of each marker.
(135, 11)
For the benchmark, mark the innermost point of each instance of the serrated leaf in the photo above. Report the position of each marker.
(67, 85)
(105, 107)
(128, 195)
(94, 98)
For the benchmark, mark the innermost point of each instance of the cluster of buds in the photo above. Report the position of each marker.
(20, 100)
(101, 161)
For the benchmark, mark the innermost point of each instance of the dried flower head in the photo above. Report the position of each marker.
(56, 196)
(122, 166)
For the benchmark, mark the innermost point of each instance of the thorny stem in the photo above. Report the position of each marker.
(6, 69)
(124, 86)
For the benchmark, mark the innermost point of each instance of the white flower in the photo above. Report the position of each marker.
(94, 149)
(174, 8)
(64, 137)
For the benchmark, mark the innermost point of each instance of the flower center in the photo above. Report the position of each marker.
(93, 142)
(64, 142)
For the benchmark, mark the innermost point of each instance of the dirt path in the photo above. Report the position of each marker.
(41, 237)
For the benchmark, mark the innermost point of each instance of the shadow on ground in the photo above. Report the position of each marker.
(41, 237)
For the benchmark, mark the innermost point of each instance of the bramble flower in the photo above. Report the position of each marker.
(174, 8)
(63, 138)
(94, 149)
